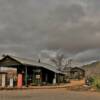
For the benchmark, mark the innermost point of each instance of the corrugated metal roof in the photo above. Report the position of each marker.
(36, 63)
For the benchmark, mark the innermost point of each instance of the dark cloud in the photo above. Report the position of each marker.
(29, 26)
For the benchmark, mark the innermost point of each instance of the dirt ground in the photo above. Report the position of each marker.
(76, 82)
(50, 94)
(47, 94)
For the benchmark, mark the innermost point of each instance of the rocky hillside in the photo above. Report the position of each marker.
(92, 69)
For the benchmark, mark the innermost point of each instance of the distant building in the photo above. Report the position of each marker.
(77, 73)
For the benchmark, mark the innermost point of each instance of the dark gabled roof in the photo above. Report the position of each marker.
(33, 63)
(77, 68)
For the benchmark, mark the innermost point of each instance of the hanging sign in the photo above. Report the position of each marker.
(37, 76)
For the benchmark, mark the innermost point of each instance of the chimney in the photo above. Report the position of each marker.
(39, 60)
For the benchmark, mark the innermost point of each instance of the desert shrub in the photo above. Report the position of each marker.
(91, 80)
(96, 82)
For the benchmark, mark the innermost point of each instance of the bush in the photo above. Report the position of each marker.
(89, 81)
(96, 82)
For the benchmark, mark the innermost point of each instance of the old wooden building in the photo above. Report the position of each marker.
(77, 73)
(30, 72)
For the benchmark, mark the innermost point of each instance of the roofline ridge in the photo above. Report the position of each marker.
(28, 59)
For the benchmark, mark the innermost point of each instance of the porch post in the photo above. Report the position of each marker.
(26, 76)
(46, 78)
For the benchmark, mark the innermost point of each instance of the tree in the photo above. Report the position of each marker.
(58, 60)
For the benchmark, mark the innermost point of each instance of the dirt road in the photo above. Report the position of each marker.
(47, 94)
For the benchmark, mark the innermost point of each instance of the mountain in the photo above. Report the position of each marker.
(92, 69)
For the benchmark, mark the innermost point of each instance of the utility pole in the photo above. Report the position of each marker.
(70, 63)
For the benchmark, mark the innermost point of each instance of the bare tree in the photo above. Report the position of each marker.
(67, 66)
(58, 59)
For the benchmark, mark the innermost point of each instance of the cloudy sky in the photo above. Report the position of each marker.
(28, 27)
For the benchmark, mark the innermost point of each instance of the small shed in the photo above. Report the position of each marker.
(77, 73)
